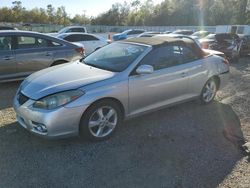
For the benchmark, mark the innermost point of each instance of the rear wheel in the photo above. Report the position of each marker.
(100, 121)
(209, 91)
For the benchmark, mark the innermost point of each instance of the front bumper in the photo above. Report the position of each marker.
(61, 122)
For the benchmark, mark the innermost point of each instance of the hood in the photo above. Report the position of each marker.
(61, 78)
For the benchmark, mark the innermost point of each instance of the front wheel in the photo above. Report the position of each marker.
(100, 121)
(209, 91)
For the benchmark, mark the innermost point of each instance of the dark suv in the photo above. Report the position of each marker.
(229, 44)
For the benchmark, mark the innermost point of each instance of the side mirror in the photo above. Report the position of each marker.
(144, 69)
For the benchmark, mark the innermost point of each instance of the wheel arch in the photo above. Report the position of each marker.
(217, 80)
(112, 99)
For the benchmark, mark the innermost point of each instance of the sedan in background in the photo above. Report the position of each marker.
(73, 29)
(90, 42)
(7, 28)
(119, 81)
(200, 34)
(183, 32)
(23, 52)
(229, 44)
(70, 29)
(128, 34)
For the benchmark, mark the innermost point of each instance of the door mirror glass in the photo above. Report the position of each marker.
(145, 69)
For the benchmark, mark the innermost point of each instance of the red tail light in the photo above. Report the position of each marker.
(80, 50)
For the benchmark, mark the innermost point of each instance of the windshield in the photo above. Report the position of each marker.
(115, 57)
(63, 30)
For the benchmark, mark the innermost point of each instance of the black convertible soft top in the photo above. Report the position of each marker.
(165, 40)
(154, 41)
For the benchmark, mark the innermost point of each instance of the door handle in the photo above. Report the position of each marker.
(49, 54)
(8, 58)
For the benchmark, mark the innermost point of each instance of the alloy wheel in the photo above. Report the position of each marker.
(209, 91)
(103, 121)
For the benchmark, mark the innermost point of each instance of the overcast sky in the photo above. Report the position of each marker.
(92, 7)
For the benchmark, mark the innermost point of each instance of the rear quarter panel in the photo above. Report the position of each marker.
(67, 54)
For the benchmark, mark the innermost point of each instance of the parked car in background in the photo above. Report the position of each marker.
(73, 29)
(7, 28)
(149, 34)
(229, 44)
(183, 32)
(245, 47)
(23, 52)
(70, 29)
(167, 32)
(194, 41)
(128, 34)
(119, 81)
(90, 42)
(200, 34)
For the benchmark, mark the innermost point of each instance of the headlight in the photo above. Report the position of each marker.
(59, 99)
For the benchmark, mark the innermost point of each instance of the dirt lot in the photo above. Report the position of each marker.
(188, 145)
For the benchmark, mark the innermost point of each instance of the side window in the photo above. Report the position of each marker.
(134, 32)
(89, 38)
(73, 38)
(81, 30)
(169, 56)
(5, 43)
(187, 55)
(69, 31)
(139, 32)
(25, 42)
(162, 57)
(131, 32)
(53, 43)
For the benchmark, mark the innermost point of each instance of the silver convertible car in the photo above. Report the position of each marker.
(124, 79)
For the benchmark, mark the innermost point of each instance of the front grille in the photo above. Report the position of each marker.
(22, 98)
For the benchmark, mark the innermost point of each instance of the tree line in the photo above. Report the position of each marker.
(140, 13)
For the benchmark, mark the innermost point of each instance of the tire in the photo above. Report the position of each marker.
(100, 121)
(209, 91)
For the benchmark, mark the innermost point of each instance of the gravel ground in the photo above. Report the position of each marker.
(188, 145)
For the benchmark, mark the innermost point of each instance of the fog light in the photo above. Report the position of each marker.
(40, 127)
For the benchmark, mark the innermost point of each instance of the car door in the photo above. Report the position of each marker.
(32, 54)
(8, 67)
(195, 65)
(167, 84)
